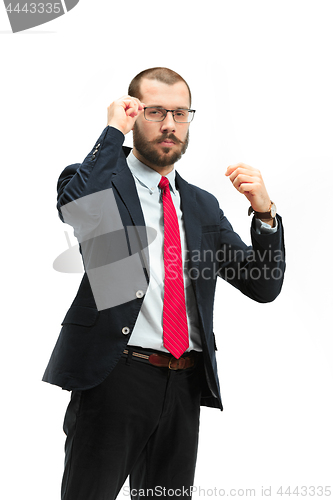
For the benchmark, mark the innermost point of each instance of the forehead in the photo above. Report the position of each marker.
(156, 93)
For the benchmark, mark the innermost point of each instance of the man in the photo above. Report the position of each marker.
(140, 365)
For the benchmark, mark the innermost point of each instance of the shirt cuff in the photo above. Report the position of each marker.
(264, 228)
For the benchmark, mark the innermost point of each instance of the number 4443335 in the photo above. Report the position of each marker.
(33, 8)
(311, 491)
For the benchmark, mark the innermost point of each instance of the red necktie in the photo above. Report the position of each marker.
(175, 331)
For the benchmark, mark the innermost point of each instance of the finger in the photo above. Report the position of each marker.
(232, 168)
(233, 175)
(131, 109)
(141, 104)
(244, 171)
(134, 107)
(129, 98)
(247, 179)
(248, 187)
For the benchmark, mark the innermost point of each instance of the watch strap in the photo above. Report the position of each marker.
(262, 215)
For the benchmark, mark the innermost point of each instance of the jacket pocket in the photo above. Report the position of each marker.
(212, 228)
(79, 315)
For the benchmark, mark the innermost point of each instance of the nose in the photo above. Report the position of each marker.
(168, 124)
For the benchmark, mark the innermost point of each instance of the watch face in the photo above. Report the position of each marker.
(273, 210)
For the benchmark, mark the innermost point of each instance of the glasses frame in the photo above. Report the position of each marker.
(173, 111)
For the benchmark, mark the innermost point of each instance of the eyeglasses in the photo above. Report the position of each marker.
(158, 114)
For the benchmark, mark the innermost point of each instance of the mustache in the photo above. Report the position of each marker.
(171, 137)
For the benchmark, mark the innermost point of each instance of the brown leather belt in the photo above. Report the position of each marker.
(165, 360)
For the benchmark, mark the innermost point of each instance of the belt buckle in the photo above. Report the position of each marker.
(170, 361)
(180, 365)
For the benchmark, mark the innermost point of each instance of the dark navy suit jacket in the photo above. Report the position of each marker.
(91, 341)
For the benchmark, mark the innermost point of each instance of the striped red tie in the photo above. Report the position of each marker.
(175, 331)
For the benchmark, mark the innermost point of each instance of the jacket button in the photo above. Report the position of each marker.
(125, 330)
(139, 294)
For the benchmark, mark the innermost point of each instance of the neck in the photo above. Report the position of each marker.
(161, 170)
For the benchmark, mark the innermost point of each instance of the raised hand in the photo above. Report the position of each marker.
(248, 181)
(123, 113)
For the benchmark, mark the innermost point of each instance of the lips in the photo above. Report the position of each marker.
(167, 142)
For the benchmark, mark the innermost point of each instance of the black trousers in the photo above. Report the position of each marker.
(142, 422)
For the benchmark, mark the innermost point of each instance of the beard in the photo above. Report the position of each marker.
(151, 155)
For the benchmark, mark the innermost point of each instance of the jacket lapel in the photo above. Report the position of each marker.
(123, 182)
(192, 223)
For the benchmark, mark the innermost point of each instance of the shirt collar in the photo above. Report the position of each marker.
(148, 177)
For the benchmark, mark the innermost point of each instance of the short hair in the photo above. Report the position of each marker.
(164, 75)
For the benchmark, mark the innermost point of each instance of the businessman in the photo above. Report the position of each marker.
(137, 347)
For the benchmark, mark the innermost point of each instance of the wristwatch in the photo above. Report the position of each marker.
(264, 215)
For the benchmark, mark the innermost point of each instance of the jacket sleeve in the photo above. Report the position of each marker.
(257, 270)
(94, 174)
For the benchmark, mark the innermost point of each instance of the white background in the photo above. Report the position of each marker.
(261, 78)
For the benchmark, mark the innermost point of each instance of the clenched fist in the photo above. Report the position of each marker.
(248, 181)
(123, 113)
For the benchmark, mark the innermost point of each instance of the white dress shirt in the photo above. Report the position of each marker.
(148, 330)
